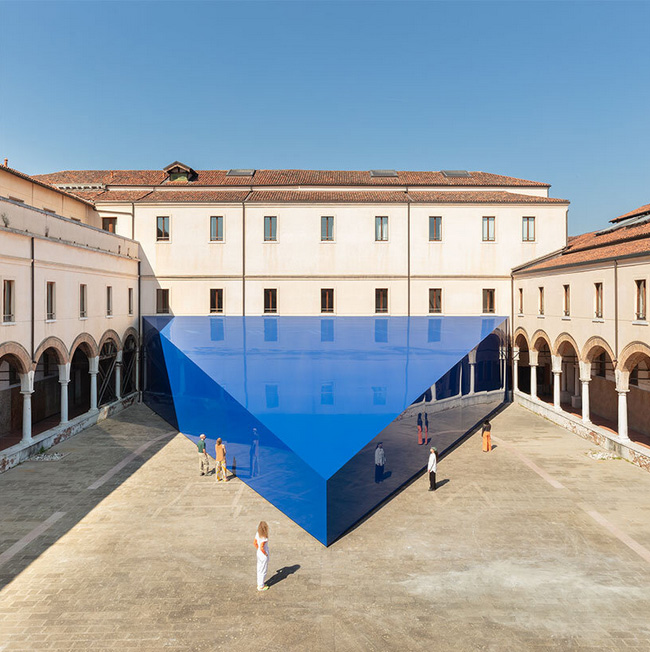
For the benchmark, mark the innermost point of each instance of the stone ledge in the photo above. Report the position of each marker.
(628, 450)
(18, 453)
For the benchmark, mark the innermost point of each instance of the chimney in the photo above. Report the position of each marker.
(6, 162)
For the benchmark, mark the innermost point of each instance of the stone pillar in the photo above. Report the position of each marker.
(137, 370)
(576, 380)
(533, 359)
(27, 389)
(622, 387)
(472, 371)
(556, 367)
(118, 376)
(585, 379)
(64, 380)
(515, 368)
(93, 371)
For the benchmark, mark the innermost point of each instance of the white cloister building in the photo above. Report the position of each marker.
(181, 241)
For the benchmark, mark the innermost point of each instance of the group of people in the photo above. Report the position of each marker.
(220, 471)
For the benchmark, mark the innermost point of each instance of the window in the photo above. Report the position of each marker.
(327, 229)
(435, 300)
(216, 300)
(381, 229)
(109, 300)
(270, 300)
(488, 300)
(567, 300)
(381, 300)
(109, 224)
(162, 229)
(270, 228)
(640, 300)
(488, 229)
(8, 294)
(51, 300)
(540, 306)
(83, 301)
(327, 300)
(435, 229)
(162, 301)
(521, 301)
(130, 301)
(528, 229)
(216, 228)
(327, 394)
(598, 300)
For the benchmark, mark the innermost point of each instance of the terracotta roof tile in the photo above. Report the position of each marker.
(480, 197)
(642, 210)
(326, 197)
(181, 196)
(284, 178)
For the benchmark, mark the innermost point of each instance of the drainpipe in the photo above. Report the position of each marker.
(132, 221)
(32, 282)
(243, 253)
(408, 253)
(616, 311)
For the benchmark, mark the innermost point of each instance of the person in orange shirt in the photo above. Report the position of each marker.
(220, 472)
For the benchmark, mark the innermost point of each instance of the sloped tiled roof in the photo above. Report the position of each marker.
(480, 197)
(283, 178)
(637, 212)
(326, 197)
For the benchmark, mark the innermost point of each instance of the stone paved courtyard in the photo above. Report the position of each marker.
(535, 546)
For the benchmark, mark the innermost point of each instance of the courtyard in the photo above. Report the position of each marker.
(120, 544)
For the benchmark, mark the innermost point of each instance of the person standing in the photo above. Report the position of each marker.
(487, 436)
(262, 546)
(220, 471)
(254, 454)
(204, 460)
(380, 460)
(432, 466)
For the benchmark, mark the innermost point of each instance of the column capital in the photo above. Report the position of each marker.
(26, 382)
(585, 370)
(93, 365)
(622, 380)
(64, 373)
(556, 364)
(533, 358)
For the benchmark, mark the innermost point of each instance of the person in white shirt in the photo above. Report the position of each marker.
(380, 460)
(431, 467)
(262, 546)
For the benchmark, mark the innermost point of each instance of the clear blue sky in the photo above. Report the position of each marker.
(551, 91)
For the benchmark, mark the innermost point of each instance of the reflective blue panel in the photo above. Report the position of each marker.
(320, 392)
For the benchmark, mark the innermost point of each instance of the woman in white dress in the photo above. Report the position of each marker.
(262, 546)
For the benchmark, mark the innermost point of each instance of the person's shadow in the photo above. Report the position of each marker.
(282, 573)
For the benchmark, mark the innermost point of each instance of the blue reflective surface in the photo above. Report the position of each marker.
(302, 401)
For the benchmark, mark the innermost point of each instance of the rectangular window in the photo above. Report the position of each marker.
(488, 229)
(521, 301)
(109, 224)
(488, 300)
(435, 229)
(327, 394)
(83, 301)
(109, 300)
(381, 229)
(270, 300)
(8, 295)
(162, 301)
(216, 300)
(51, 300)
(327, 229)
(216, 228)
(435, 300)
(162, 229)
(567, 300)
(640, 300)
(130, 301)
(540, 307)
(327, 300)
(528, 229)
(598, 300)
(381, 300)
(270, 228)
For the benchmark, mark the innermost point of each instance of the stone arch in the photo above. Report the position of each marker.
(537, 335)
(110, 334)
(521, 331)
(632, 354)
(18, 355)
(131, 331)
(87, 342)
(560, 340)
(596, 342)
(57, 346)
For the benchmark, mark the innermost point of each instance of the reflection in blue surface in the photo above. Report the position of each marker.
(302, 402)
